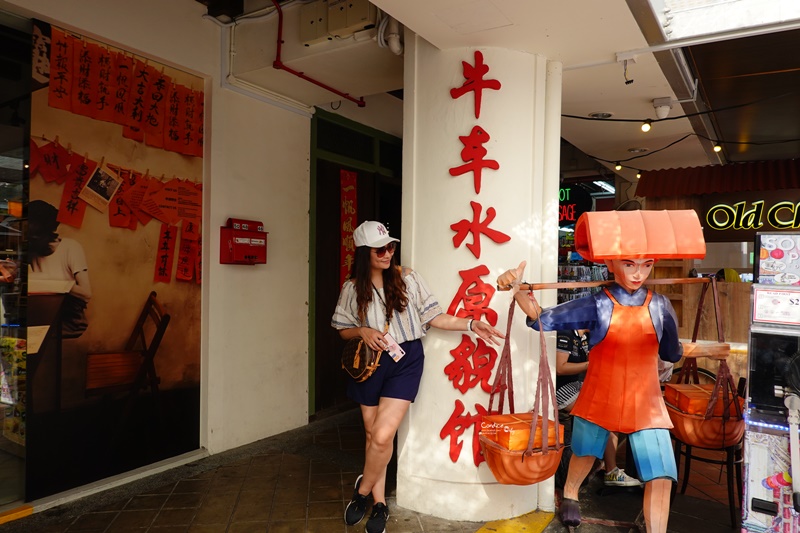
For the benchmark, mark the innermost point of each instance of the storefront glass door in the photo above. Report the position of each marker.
(15, 68)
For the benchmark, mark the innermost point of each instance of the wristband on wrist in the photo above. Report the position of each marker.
(469, 324)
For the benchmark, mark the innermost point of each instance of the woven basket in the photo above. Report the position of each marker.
(513, 467)
(714, 433)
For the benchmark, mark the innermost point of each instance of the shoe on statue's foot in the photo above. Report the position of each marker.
(570, 512)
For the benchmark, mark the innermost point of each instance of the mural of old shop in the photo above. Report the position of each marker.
(113, 273)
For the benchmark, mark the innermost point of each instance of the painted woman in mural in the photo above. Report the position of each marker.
(59, 258)
(380, 291)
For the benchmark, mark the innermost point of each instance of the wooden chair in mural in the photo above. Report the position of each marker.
(131, 369)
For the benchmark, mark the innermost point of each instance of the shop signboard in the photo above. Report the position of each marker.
(573, 201)
(736, 217)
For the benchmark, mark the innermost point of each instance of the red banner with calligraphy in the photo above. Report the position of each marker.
(201, 113)
(72, 208)
(139, 86)
(119, 213)
(156, 109)
(59, 94)
(188, 121)
(165, 253)
(53, 163)
(93, 80)
(104, 107)
(122, 81)
(84, 78)
(348, 210)
(172, 126)
(186, 256)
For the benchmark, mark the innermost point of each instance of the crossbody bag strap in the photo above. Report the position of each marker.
(385, 308)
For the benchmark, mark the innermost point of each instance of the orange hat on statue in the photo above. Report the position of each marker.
(607, 235)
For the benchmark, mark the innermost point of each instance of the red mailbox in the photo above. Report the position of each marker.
(243, 242)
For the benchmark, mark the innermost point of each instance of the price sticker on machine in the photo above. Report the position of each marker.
(776, 306)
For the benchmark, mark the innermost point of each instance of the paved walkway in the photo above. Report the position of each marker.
(300, 481)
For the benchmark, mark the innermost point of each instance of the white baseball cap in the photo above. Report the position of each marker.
(372, 234)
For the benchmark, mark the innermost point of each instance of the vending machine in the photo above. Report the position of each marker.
(771, 449)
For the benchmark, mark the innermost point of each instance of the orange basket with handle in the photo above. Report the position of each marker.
(513, 444)
(705, 416)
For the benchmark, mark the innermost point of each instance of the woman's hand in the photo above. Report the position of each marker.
(486, 332)
(373, 338)
(512, 278)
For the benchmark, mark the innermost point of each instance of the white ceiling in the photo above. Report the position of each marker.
(586, 36)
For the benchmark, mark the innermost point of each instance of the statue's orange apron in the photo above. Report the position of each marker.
(621, 391)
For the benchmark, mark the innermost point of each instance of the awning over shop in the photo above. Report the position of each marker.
(753, 176)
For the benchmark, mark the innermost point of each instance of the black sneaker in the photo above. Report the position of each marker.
(377, 520)
(357, 508)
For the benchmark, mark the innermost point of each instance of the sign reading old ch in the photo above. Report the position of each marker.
(734, 217)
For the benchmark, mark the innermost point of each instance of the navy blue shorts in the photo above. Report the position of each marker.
(391, 380)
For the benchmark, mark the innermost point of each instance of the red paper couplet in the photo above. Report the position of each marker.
(348, 216)
(72, 207)
(140, 84)
(54, 162)
(197, 147)
(104, 102)
(189, 131)
(59, 94)
(84, 79)
(119, 213)
(165, 253)
(123, 78)
(155, 108)
(172, 127)
(186, 259)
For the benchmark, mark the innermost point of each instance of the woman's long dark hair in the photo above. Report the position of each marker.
(394, 288)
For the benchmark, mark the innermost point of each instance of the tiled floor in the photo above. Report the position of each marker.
(296, 482)
(707, 481)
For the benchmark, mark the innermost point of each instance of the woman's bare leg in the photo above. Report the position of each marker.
(380, 423)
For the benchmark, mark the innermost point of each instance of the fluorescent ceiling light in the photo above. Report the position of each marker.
(685, 20)
(605, 186)
(10, 162)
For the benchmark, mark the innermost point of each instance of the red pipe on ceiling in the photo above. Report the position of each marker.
(278, 64)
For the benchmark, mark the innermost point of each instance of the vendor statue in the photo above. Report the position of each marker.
(630, 329)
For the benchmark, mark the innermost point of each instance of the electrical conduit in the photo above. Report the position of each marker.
(278, 64)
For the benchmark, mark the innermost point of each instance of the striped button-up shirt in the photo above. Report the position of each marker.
(409, 325)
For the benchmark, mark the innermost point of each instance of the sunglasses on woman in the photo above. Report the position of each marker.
(380, 252)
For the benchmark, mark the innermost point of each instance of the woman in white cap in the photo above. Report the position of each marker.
(378, 292)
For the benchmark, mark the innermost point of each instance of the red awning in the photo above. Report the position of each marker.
(753, 176)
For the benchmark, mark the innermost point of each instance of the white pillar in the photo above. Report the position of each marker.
(522, 119)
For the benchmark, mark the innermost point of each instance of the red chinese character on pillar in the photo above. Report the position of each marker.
(475, 295)
(475, 82)
(456, 426)
(473, 154)
(465, 374)
(476, 227)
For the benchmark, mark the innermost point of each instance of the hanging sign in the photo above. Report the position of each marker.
(573, 201)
